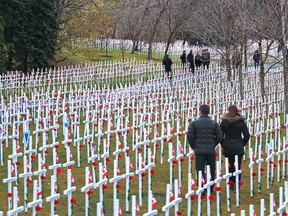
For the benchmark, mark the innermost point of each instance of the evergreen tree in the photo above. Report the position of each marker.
(2, 46)
(30, 33)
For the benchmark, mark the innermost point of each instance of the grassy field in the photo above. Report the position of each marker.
(86, 55)
(159, 180)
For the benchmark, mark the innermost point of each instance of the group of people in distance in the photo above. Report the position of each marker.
(204, 135)
(198, 61)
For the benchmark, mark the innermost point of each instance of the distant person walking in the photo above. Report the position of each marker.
(203, 136)
(183, 60)
(205, 58)
(190, 59)
(256, 58)
(167, 62)
(198, 61)
(236, 135)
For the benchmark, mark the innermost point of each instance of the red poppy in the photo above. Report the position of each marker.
(118, 186)
(218, 188)
(211, 197)
(73, 201)
(179, 212)
(152, 171)
(143, 174)
(9, 194)
(230, 182)
(90, 192)
(59, 170)
(94, 163)
(193, 197)
(38, 208)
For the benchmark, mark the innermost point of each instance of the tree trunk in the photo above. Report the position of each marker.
(133, 46)
(245, 52)
(168, 44)
(106, 47)
(150, 51)
(228, 62)
(262, 72)
(123, 51)
(137, 46)
(242, 48)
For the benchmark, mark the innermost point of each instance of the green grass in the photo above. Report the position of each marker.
(86, 55)
(159, 181)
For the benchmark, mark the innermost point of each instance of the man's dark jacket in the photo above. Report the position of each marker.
(233, 128)
(203, 135)
(167, 62)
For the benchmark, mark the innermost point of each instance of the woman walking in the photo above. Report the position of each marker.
(235, 137)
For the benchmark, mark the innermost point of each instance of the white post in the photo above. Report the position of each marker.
(53, 195)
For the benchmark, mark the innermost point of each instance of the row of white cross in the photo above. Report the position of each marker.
(155, 110)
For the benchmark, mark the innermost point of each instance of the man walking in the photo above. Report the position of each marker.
(167, 62)
(203, 136)
(190, 59)
(183, 60)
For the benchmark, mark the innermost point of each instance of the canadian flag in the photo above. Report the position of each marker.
(104, 171)
(71, 156)
(254, 213)
(203, 180)
(55, 187)
(173, 151)
(69, 134)
(90, 177)
(156, 133)
(154, 202)
(131, 165)
(147, 134)
(18, 147)
(164, 130)
(193, 183)
(111, 125)
(118, 170)
(143, 163)
(152, 157)
(119, 210)
(18, 200)
(39, 192)
(3, 131)
(72, 180)
(28, 166)
(181, 148)
(137, 208)
(179, 191)
(57, 158)
(253, 156)
(101, 212)
(43, 164)
(171, 195)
